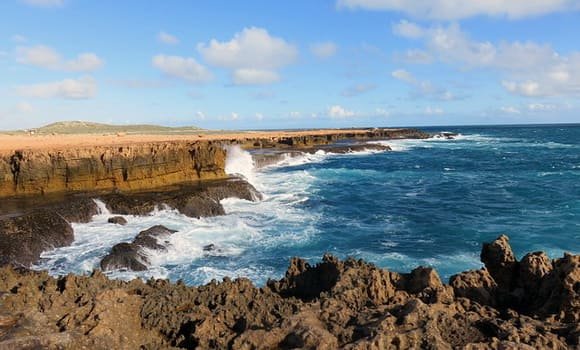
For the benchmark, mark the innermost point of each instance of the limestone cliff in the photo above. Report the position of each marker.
(142, 166)
(131, 167)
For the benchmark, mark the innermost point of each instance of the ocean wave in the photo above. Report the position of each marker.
(280, 219)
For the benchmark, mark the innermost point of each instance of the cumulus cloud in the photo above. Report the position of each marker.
(324, 50)
(167, 38)
(408, 29)
(74, 89)
(460, 9)
(44, 3)
(530, 69)
(340, 112)
(252, 55)
(415, 56)
(422, 88)
(358, 89)
(186, 68)
(47, 57)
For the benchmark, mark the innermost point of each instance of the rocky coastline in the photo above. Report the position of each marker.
(43, 191)
(533, 303)
(348, 304)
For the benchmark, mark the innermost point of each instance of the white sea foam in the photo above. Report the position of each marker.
(249, 227)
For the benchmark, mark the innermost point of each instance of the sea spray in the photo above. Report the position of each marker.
(240, 162)
(101, 207)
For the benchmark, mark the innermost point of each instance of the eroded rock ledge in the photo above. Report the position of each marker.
(336, 304)
(46, 225)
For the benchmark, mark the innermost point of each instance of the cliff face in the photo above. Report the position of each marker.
(132, 167)
(141, 166)
(307, 141)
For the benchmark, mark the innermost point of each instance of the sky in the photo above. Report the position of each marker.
(261, 64)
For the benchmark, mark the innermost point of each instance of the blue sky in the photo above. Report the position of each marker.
(289, 64)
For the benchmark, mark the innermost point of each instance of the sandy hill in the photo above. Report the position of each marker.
(82, 127)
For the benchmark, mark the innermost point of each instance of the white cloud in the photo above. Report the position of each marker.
(358, 89)
(186, 68)
(259, 116)
(231, 117)
(340, 112)
(459, 9)
(253, 55)
(403, 75)
(542, 107)
(422, 88)
(47, 57)
(250, 76)
(199, 115)
(44, 3)
(74, 89)
(167, 38)
(529, 69)
(416, 56)
(324, 50)
(433, 110)
(408, 29)
(510, 110)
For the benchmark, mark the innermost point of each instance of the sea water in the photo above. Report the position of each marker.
(428, 202)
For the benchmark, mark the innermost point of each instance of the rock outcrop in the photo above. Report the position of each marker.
(129, 167)
(133, 256)
(143, 166)
(335, 304)
(42, 226)
(24, 237)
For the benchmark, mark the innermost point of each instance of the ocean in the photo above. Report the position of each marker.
(427, 202)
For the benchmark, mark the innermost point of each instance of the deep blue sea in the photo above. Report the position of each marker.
(428, 202)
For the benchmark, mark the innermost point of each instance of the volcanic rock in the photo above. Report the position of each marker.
(334, 304)
(132, 256)
(119, 220)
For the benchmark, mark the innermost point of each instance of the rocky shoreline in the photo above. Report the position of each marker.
(527, 304)
(533, 303)
(43, 191)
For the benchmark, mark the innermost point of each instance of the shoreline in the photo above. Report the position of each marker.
(350, 304)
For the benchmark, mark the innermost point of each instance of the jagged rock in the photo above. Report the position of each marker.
(194, 200)
(500, 261)
(351, 305)
(209, 247)
(477, 285)
(131, 256)
(119, 220)
(23, 238)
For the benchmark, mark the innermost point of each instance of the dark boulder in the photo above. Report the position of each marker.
(119, 220)
(132, 256)
(24, 238)
(194, 200)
